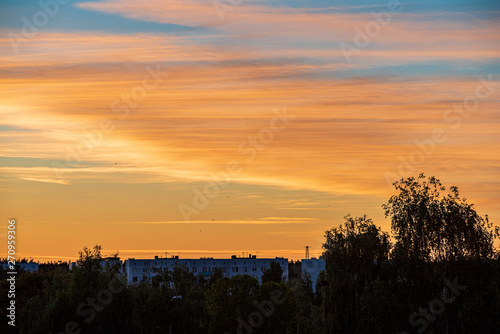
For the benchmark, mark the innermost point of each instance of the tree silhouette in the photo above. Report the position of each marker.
(273, 274)
(434, 227)
(354, 254)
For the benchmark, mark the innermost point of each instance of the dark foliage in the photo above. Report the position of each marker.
(441, 275)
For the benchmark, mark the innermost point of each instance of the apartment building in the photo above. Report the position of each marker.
(313, 267)
(26, 266)
(141, 270)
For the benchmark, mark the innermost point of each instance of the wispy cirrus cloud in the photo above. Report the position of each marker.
(222, 80)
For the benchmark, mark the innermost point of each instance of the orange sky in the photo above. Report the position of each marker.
(163, 97)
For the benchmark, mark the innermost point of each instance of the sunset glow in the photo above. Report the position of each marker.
(180, 127)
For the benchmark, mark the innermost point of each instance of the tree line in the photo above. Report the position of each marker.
(438, 271)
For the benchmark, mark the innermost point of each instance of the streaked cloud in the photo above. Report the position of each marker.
(221, 84)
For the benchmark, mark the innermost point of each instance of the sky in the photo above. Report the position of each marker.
(212, 128)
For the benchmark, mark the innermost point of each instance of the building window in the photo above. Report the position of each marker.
(235, 269)
(254, 269)
(244, 269)
(144, 270)
(134, 270)
(223, 269)
(134, 279)
(194, 269)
